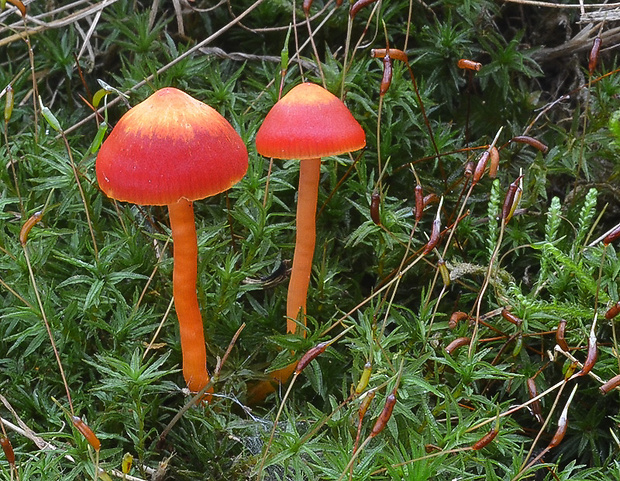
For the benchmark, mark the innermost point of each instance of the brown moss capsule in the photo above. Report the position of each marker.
(365, 404)
(20, 6)
(481, 166)
(469, 169)
(486, 439)
(466, 64)
(375, 200)
(435, 236)
(533, 392)
(592, 356)
(386, 80)
(27, 227)
(419, 202)
(7, 447)
(559, 335)
(562, 423)
(357, 6)
(306, 6)
(560, 432)
(430, 199)
(510, 317)
(458, 342)
(435, 232)
(309, 356)
(385, 415)
(532, 142)
(593, 58)
(613, 311)
(457, 317)
(494, 162)
(395, 53)
(613, 383)
(513, 197)
(88, 433)
(612, 236)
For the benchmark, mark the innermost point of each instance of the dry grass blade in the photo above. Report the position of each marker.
(43, 26)
(161, 70)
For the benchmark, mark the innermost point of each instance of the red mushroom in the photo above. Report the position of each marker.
(307, 123)
(171, 150)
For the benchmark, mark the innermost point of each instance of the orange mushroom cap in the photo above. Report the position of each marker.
(170, 147)
(309, 122)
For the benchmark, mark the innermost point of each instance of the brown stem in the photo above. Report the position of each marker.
(185, 299)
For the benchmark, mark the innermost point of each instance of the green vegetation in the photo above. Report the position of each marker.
(98, 273)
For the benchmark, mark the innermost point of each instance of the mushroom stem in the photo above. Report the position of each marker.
(309, 173)
(185, 299)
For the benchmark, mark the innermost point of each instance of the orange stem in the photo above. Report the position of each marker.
(309, 173)
(185, 299)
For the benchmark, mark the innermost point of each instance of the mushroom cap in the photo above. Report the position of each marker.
(309, 122)
(170, 147)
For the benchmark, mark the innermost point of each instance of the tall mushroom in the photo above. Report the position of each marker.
(171, 150)
(306, 124)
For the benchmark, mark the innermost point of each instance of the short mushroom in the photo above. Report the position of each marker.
(306, 124)
(171, 150)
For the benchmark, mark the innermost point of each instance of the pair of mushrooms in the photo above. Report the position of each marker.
(172, 149)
